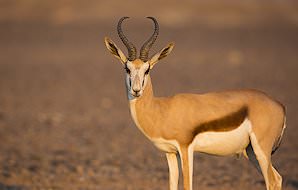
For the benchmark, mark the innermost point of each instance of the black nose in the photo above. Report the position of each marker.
(137, 94)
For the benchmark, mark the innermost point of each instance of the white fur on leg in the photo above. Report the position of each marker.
(190, 162)
(173, 170)
(261, 157)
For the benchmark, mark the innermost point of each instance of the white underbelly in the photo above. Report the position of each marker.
(223, 143)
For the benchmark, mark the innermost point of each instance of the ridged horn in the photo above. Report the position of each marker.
(144, 52)
(132, 50)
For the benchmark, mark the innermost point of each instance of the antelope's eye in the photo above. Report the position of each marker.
(127, 70)
(147, 71)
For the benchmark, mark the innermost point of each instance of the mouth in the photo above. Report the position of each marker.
(136, 94)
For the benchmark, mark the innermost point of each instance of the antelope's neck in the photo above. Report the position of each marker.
(142, 108)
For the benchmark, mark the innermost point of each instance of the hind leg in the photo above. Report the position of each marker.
(262, 160)
(276, 177)
(251, 156)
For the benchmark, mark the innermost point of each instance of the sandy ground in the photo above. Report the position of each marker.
(64, 119)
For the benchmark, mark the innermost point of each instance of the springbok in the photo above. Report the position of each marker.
(217, 123)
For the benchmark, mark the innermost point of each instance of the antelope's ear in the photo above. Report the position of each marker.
(161, 54)
(111, 46)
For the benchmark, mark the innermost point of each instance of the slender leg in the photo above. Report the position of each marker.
(186, 156)
(272, 178)
(262, 160)
(251, 156)
(173, 170)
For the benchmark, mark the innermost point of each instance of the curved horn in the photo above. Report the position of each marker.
(132, 51)
(144, 52)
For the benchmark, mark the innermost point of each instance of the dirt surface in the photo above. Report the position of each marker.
(64, 118)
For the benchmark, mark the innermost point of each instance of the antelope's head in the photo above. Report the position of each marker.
(137, 69)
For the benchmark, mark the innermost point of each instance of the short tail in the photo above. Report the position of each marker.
(278, 142)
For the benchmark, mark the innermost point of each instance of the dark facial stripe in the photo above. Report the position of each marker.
(226, 123)
(127, 69)
(147, 71)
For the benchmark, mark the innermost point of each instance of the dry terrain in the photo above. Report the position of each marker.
(64, 119)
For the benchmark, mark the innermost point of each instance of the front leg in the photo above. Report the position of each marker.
(173, 170)
(186, 156)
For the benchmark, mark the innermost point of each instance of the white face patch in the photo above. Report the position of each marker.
(136, 78)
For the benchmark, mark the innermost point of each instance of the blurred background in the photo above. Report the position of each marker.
(64, 117)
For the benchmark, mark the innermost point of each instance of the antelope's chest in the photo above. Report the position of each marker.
(223, 143)
(135, 118)
(162, 144)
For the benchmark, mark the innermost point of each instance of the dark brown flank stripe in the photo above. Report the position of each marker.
(226, 123)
